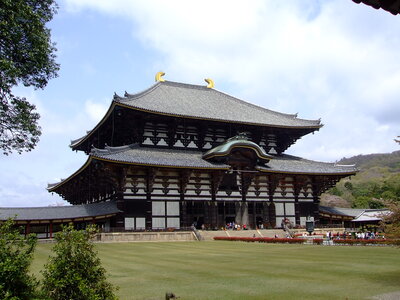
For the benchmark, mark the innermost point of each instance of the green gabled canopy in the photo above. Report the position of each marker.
(239, 141)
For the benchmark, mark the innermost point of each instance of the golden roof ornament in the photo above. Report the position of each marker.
(159, 76)
(210, 83)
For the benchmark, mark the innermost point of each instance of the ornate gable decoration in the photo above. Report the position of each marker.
(238, 151)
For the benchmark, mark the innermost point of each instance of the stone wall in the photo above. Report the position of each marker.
(146, 236)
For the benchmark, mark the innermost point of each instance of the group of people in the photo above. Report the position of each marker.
(355, 235)
(286, 223)
(234, 226)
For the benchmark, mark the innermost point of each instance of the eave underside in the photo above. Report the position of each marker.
(392, 6)
(123, 126)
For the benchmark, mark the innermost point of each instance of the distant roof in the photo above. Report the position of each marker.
(358, 214)
(341, 211)
(371, 215)
(59, 212)
(200, 102)
(392, 6)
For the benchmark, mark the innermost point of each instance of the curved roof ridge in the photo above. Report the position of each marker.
(130, 97)
(320, 162)
(112, 149)
(260, 107)
(142, 92)
(294, 116)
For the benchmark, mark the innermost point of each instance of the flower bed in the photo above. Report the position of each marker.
(318, 241)
(260, 239)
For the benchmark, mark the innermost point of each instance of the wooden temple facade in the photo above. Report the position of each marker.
(177, 155)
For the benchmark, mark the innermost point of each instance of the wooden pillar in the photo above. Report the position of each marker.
(245, 213)
(316, 186)
(151, 174)
(120, 217)
(273, 181)
(254, 215)
(265, 215)
(238, 212)
(51, 229)
(298, 184)
(183, 213)
(27, 228)
(213, 217)
(224, 213)
(297, 209)
(272, 214)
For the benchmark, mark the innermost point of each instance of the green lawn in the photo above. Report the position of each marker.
(236, 270)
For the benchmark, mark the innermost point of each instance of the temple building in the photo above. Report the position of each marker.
(179, 154)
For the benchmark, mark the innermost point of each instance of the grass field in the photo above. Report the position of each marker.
(235, 270)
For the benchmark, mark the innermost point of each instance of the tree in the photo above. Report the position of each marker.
(391, 222)
(27, 57)
(16, 254)
(75, 272)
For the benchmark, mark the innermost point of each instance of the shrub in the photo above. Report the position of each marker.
(16, 253)
(75, 272)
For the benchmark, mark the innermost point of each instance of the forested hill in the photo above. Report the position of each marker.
(378, 179)
(391, 161)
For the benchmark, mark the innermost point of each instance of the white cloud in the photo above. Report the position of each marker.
(96, 110)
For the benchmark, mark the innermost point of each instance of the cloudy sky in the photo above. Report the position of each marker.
(330, 59)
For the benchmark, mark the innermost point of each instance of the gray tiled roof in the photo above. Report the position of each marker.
(293, 164)
(195, 101)
(193, 159)
(174, 158)
(341, 211)
(155, 157)
(59, 212)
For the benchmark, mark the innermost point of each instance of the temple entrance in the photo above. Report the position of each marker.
(260, 222)
(198, 222)
(229, 220)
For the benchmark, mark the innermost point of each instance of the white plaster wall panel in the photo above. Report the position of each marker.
(279, 208)
(158, 223)
(172, 208)
(158, 208)
(289, 207)
(129, 223)
(140, 223)
(173, 223)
